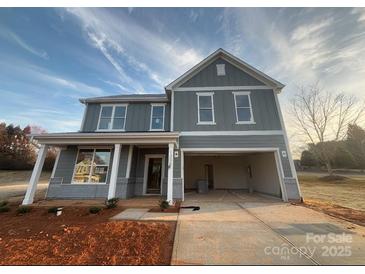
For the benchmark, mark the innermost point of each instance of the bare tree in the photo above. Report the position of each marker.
(322, 116)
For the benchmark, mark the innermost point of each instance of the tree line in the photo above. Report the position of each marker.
(16, 150)
(348, 153)
(329, 123)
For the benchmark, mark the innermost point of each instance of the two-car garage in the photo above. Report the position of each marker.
(251, 170)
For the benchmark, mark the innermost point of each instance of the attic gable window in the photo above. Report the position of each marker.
(221, 69)
(112, 117)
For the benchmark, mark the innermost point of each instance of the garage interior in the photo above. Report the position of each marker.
(252, 172)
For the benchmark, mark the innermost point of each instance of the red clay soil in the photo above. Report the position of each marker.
(80, 238)
(172, 209)
(345, 213)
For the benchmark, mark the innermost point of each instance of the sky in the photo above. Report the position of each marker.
(51, 57)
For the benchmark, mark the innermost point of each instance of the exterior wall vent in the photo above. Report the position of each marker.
(221, 69)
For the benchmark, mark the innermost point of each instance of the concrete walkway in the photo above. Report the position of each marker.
(142, 214)
(241, 229)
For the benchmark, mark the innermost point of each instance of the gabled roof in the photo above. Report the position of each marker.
(221, 53)
(127, 98)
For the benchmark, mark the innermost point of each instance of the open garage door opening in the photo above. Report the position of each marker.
(254, 172)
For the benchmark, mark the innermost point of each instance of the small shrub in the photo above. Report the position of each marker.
(23, 209)
(164, 205)
(4, 209)
(111, 203)
(3, 203)
(94, 210)
(53, 210)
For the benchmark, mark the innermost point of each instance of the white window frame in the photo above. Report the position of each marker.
(163, 117)
(208, 94)
(248, 93)
(92, 161)
(112, 118)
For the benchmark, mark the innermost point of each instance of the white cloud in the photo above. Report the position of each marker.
(125, 42)
(14, 38)
(43, 77)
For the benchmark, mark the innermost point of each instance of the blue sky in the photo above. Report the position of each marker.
(50, 57)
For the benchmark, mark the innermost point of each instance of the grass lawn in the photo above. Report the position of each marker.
(13, 184)
(347, 193)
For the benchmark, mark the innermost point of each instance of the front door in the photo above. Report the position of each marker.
(154, 176)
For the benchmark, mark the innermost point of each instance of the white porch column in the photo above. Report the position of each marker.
(32, 186)
(129, 163)
(114, 174)
(170, 174)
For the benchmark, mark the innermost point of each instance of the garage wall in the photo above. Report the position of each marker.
(229, 171)
(265, 177)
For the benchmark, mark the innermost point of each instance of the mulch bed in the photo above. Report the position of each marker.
(172, 209)
(345, 213)
(80, 238)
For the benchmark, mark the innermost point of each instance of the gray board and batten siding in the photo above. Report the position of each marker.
(137, 119)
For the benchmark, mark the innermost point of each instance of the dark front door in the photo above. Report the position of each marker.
(154, 176)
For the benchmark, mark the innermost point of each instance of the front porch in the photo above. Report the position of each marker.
(108, 165)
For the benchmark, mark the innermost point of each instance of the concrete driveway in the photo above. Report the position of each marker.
(242, 229)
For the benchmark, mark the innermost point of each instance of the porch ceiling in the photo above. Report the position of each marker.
(107, 138)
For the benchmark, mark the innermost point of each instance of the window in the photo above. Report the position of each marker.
(221, 69)
(157, 117)
(112, 117)
(205, 108)
(243, 107)
(91, 166)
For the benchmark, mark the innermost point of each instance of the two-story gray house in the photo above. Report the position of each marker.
(219, 122)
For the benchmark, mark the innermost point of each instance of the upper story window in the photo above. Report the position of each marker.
(221, 69)
(112, 117)
(157, 116)
(205, 108)
(242, 102)
(91, 166)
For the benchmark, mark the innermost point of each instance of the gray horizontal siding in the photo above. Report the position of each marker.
(262, 141)
(234, 77)
(263, 107)
(138, 117)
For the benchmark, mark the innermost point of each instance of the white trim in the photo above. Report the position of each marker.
(112, 117)
(223, 88)
(145, 173)
(172, 110)
(248, 93)
(94, 138)
(257, 149)
(84, 117)
(56, 162)
(290, 158)
(182, 175)
(129, 163)
(170, 174)
(36, 173)
(207, 94)
(113, 100)
(163, 116)
(231, 133)
(230, 149)
(114, 174)
(281, 176)
(92, 161)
